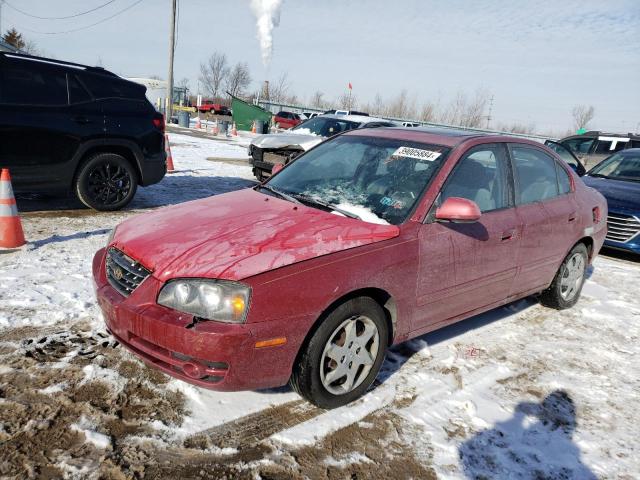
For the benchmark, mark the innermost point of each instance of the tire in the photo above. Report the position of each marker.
(106, 182)
(327, 346)
(566, 287)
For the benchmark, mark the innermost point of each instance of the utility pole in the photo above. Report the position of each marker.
(490, 110)
(172, 46)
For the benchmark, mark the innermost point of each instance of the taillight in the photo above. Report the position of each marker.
(158, 122)
(596, 214)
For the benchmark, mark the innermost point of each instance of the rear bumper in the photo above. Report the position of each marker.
(212, 355)
(153, 169)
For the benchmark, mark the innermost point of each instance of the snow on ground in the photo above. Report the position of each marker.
(518, 392)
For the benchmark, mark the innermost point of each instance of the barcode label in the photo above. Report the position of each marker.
(427, 155)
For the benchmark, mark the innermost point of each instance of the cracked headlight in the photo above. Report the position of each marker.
(219, 300)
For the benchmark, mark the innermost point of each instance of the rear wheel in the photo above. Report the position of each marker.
(344, 354)
(565, 290)
(106, 182)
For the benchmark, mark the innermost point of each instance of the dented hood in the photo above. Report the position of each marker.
(238, 235)
(287, 140)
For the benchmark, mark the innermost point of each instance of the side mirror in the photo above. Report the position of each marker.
(458, 210)
(276, 168)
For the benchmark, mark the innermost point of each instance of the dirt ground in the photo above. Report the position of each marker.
(41, 423)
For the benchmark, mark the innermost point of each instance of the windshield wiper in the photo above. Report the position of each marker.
(314, 201)
(598, 175)
(280, 193)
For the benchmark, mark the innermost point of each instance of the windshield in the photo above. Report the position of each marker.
(620, 166)
(379, 180)
(325, 126)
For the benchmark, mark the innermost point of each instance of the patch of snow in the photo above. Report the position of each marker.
(365, 214)
(57, 387)
(99, 440)
(350, 459)
(209, 408)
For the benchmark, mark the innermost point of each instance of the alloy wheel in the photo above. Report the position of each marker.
(349, 355)
(572, 276)
(108, 183)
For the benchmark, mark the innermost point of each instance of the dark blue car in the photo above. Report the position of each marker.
(618, 178)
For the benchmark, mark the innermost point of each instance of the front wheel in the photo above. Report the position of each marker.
(106, 182)
(344, 355)
(565, 289)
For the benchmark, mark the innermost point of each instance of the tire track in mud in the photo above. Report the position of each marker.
(252, 429)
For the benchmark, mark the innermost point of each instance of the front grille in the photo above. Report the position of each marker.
(622, 228)
(124, 273)
(256, 154)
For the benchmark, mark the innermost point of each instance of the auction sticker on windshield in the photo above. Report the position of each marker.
(410, 152)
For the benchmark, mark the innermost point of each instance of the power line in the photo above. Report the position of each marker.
(85, 27)
(59, 18)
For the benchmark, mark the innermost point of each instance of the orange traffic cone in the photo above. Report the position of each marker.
(198, 124)
(167, 149)
(253, 127)
(234, 130)
(11, 234)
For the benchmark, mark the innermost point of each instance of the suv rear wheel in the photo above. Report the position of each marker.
(106, 182)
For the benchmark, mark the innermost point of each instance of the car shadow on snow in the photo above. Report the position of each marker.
(536, 442)
(63, 238)
(399, 354)
(171, 190)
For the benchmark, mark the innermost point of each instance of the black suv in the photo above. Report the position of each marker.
(593, 147)
(66, 127)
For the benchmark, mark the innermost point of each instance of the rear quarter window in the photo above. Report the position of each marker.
(103, 86)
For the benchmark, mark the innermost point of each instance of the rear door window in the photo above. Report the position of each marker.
(535, 172)
(29, 83)
(77, 93)
(104, 86)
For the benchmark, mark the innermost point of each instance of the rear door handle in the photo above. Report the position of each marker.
(572, 216)
(508, 235)
(81, 119)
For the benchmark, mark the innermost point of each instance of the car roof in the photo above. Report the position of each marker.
(56, 62)
(448, 137)
(598, 133)
(355, 118)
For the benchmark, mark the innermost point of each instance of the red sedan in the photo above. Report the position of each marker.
(371, 238)
(286, 119)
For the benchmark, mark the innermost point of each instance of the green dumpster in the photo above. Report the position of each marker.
(244, 114)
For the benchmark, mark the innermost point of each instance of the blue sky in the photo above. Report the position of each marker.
(538, 58)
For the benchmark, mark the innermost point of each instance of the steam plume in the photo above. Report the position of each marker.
(267, 14)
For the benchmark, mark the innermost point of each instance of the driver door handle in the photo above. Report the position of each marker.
(81, 119)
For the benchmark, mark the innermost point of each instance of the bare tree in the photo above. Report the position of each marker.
(466, 112)
(238, 79)
(317, 101)
(347, 102)
(279, 89)
(429, 112)
(474, 110)
(214, 73)
(183, 83)
(517, 127)
(398, 106)
(582, 115)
